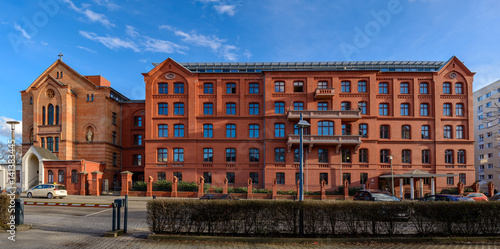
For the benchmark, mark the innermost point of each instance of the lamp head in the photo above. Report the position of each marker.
(303, 124)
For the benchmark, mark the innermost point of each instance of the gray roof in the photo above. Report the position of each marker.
(45, 153)
(388, 66)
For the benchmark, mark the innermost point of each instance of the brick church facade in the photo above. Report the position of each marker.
(236, 121)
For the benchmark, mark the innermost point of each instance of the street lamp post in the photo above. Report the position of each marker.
(302, 124)
(13, 129)
(392, 174)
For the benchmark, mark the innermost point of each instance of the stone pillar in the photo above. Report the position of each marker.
(412, 189)
(401, 188)
(224, 186)
(126, 182)
(149, 191)
(275, 191)
(491, 189)
(433, 187)
(174, 187)
(323, 192)
(249, 189)
(421, 188)
(96, 182)
(201, 185)
(475, 187)
(460, 186)
(346, 189)
(83, 182)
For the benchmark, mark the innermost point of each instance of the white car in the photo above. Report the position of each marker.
(47, 190)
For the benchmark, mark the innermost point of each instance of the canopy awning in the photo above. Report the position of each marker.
(417, 174)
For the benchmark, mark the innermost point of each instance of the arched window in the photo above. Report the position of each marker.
(162, 155)
(230, 155)
(208, 155)
(446, 88)
(325, 128)
(74, 176)
(43, 115)
(459, 110)
(345, 86)
(279, 107)
(383, 109)
(461, 156)
(362, 107)
(447, 131)
(57, 114)
(345, 106)
(405, 132)
(405, 109)
(178, 108)
(51, 115)
(424, 109)
(60, 178)
(424, 88)
(162, 109)
(446, 109)
(383, 88)
(404, 88)
(50, 176)
(459, 88)
(298, 106)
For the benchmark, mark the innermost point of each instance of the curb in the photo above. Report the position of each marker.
(323, 240)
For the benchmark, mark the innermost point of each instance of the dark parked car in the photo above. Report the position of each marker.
(496, 197)
(386, 212)
(219, 197)
(446, 198)
(374, 195)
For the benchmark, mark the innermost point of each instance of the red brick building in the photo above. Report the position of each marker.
(236, 121)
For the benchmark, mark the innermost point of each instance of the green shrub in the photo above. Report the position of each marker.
(139, 186)
(286, 192)
(262, 191)
(162, 185)
(352, 190)
(187, 186)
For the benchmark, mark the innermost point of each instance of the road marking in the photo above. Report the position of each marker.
(97, 212)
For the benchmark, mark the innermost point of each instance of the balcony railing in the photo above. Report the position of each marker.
(351, 115)
(324, 93)
(325, 140)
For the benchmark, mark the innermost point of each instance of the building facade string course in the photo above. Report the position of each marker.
(236, 121)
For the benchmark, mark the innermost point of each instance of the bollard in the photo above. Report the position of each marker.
(113, 227)
(154, 197)
(118, 218)
(125, 215)
(19, 211)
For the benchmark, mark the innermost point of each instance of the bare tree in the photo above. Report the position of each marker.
(6, 151)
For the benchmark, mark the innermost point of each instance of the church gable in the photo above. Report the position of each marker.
(63, 74)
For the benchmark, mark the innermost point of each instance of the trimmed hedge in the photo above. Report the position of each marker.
(322, 218)
(4, 210)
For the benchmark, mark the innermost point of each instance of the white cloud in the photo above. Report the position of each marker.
(143, 60)
(109, 41)
(91, 15)
(5, 129)
(221, 6)
(4, 22)
(23, 32)
(162, 46)
(44, 43)
(225, 9)
(213, 42)
(86, 49)
(247, 54)
(131, 31)
(108, 4)
(139, 43)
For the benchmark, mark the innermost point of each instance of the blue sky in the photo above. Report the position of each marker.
(120, 39)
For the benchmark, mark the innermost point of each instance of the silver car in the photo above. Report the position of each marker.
(47, 190)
